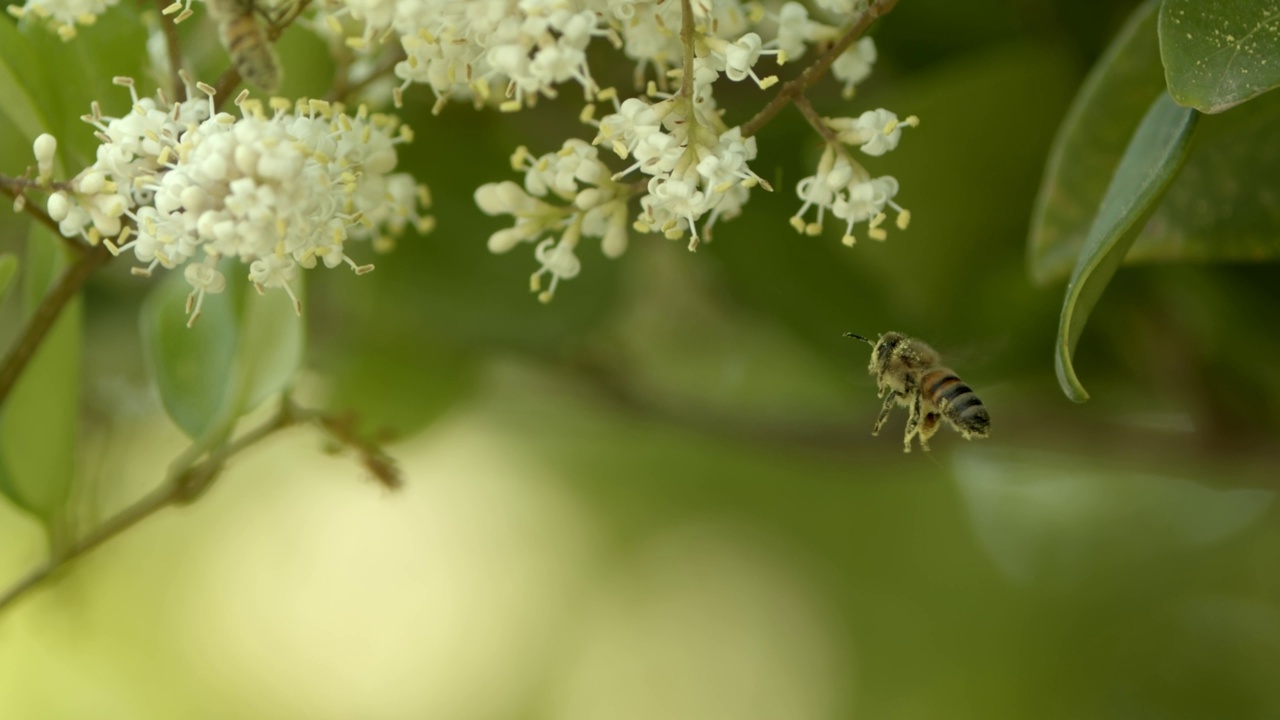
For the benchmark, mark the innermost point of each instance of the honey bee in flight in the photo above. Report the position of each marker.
(246, 42)
(912, 375)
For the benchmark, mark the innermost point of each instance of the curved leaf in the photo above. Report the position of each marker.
(1220, 53)
(1089, 143)
(1151, 161)
(39, 419)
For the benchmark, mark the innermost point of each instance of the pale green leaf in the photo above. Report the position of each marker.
(193, 367)
(1220, 53)
(272, 338)
(240, 350)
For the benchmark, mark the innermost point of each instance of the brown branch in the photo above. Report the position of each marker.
(173, 47)
(46, 314)
(812, 74)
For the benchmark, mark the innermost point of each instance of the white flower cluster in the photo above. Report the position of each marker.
(845, 188)
(62, 15)
(278, 192)
(686, 165)
(596, 207)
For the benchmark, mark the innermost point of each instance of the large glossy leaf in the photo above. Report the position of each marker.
(1155, 153)
(38, 421)
(1089, 143)
(1220, 53)
(241, 350)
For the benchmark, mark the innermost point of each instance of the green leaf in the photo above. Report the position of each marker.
(1220, 53)
(8, 267)
(1155, 153)
(38, 421)
(241, 350)
(1089, 143)
(193, 368)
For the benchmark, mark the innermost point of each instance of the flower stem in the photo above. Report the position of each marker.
(812, 74)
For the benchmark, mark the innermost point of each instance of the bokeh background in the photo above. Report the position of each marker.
(658, 497)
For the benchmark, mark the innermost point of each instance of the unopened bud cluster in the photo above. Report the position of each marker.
(183, 185)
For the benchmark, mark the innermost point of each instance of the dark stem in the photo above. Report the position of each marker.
(812, 74)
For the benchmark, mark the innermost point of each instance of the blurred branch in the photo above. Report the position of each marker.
(812, 74)
(172, 46)
(798, 433)
(343, 89)
(188, 478)
(47, 313)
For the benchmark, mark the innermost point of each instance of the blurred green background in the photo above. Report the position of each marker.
(658, 497)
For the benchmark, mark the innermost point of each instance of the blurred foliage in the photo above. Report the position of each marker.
(658, 496)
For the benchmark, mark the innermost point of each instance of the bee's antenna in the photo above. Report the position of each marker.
(858, 337)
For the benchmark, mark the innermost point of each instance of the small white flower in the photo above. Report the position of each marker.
(557, 258)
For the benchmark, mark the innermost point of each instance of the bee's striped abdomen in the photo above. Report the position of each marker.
(956, 401)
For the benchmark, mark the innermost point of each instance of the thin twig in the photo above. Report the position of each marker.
(77, 247)
(183, 484)
(174, 49)
(344, 90)
(46, 314)
(815, 120)
(812, 74)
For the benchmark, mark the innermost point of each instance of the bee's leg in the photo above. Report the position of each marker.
(884, 411)
(913, 422)
(928, 426)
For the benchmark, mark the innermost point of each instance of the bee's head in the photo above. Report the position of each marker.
(881, 349)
